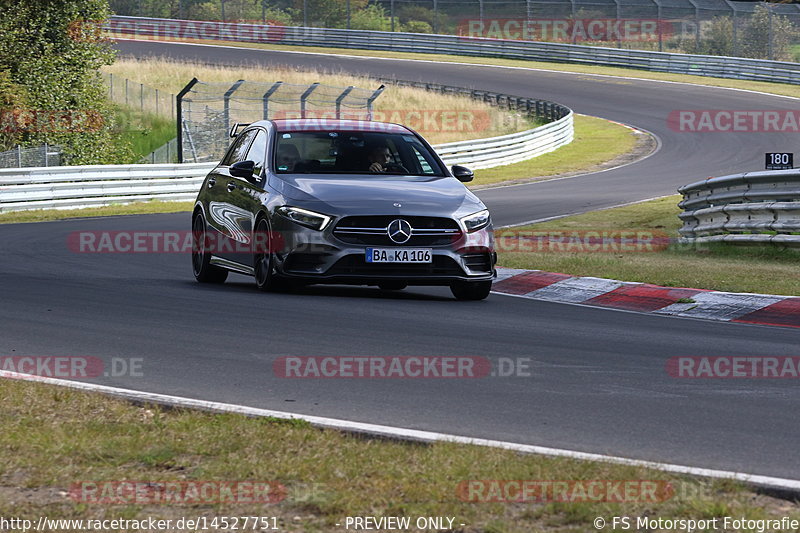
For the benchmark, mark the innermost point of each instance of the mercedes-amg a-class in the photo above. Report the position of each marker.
(341, 201)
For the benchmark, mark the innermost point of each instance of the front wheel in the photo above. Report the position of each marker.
(204, 272)
(471, 290)
(263, 261)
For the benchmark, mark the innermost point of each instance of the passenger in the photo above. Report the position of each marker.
(287, 157)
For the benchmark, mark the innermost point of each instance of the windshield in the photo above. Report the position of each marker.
(347, 152)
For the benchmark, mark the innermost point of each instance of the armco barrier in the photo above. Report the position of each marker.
(752, 207)
(715, 66)
(87, 186)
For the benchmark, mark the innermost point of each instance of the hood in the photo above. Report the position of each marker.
(418, 195)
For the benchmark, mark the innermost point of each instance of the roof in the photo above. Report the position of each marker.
(326, 124)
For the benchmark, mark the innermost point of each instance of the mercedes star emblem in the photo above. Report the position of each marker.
(399, 231)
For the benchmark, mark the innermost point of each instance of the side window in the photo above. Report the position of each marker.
(258, 152)
(425, 166)
(239, 148)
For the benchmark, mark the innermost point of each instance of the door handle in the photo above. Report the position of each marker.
(211, 182)
(231, 186)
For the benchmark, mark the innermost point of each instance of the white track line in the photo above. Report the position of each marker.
(405, 433)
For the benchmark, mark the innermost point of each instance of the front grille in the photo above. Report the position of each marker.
(371, 230)
(478, 262)
(356, 265)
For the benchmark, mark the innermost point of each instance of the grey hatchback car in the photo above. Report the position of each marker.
(341, 201)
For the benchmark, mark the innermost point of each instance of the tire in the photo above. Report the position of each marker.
(471, 290)
(392, 285)
(264, 263)
(204, 272)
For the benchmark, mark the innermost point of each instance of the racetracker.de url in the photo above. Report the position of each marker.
(195, 524)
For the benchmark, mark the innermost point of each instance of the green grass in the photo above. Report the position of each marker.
(759, 269)
(139, 208)
(767, 87)
(596, 142)
(144, 131)
(56, 437)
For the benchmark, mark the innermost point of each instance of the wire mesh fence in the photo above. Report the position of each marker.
(765, 30)
(208, 110)
(46, 155)
(139, 97)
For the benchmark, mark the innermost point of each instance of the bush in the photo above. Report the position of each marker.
(372, 17)
(54, 50)
(755, 38)
(417, 26)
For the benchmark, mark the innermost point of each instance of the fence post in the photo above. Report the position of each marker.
(227, 103)
(340, 98)
(435, 16)
(372, 98)
(391, 13)
(179, 116)
(305, 96)
(46, 159)
(769, 42)
(141, 97)
(270, 92)
(126, 91)
(111, 87)
(19, 156)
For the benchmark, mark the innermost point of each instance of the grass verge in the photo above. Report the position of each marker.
(144, 132)
(761, 86)
(759, 269)
(139, 208)
(55, 438)
(598, 144)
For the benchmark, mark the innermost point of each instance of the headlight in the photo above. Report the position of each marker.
(304, 217)
(476, 221)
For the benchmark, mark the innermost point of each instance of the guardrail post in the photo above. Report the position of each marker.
(226, 114)
(371, 99)
(305, 96)
(340, 98)
(179, 116)
(266, 96)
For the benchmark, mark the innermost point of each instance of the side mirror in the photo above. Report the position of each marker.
(243, 169)
(462, 174)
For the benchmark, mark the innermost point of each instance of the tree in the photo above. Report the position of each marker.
(755, 38)
(54, 49)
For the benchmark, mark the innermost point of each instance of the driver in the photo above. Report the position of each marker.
(379, 159)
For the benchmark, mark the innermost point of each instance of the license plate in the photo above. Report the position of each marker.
(399, 255)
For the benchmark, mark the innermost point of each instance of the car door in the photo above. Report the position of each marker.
(244, 198)
(221, 217)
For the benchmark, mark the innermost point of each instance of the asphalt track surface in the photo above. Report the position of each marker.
(598, 381)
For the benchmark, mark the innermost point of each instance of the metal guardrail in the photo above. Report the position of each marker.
(700, 65)
(752, 207)
(504, 149)
(87, 186)
(97, 185)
